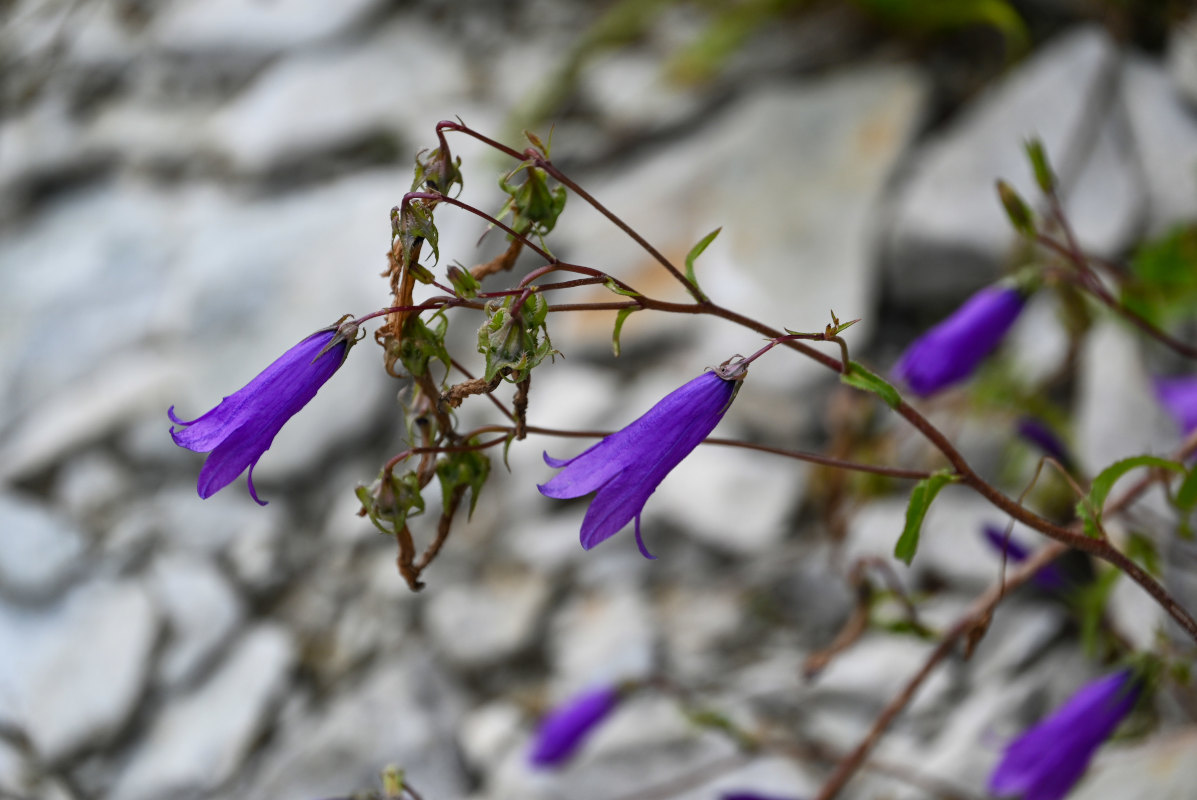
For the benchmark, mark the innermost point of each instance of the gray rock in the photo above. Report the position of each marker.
(489, 733)
(90, 483)
(402, 713)
(41, 549)
(792, 174)
(1182, 58)
(948, 233)
(323, 100)
(215, 28)
(1162, 768)
(601, 637)
(1117, 414)
(202, 611)
(1165, 133)
(734, 500)
(694, 622)
(199, 740)
(65, 702)
(770, 776)
(485, 621)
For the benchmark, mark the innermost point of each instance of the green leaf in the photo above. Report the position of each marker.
(613, 286)
(693, 255)
(921, 496)
(1089, 508)
(1091, 603)
(1044, 176)
(1162, 286)
(620, 318)
(861, 378)
(468, 469)
(1186, 495)
(1016, 209)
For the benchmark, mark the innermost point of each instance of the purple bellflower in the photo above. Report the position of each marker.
(1049, 578)
(1179, 397)
(1045, 762)
(242, 427)
(1038, 433)
(626, 467)
(952, 350)
(567, 727)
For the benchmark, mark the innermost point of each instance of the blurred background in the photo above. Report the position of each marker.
(188, 188)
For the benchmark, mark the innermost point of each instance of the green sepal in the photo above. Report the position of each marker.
(515, 344)
(422, 342)
(1017, 211)
(463, 281)
(693, 255)
(533, 205)
(620, 318)
(1044, 176)
(613, 286)
(469, 469)
(921, 497)
(392, 502)
(1089, 507)
(861, 378)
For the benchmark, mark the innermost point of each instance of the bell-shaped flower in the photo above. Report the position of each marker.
(953, 349)
(1049, 577)
(626, 467)
(1038, 433)
(567, 727)
(1179, 398)
(242, 427)
(1045, 762)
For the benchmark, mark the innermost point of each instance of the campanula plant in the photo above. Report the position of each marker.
(1045, 762)
(567, 727)
(1179, 397)
(953, 349)
(625, 468)
(242, 427)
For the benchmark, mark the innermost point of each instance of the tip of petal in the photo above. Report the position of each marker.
(170, 412)
(556, 463)
(249, 479)
(640, 542)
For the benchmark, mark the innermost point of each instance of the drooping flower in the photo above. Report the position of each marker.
(1179, 397)
(566, 727)
(1039, 434)
(1045, 762)
(949, 352)
(242, 427)
(1049, 577)
(626, 467)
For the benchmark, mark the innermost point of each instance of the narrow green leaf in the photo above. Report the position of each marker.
(921, 496)
(613, 286)
(1089, 508)
(695, 252)
(861, 378)
(620, 318)
(1186, 496)
(1040, 166)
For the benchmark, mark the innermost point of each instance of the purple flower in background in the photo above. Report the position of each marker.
(626, 467)
(564, 730)
(1039, 434)
(1179, 397)
(1049, 577)
(950, 351)
(1045, 762)
(238, 431)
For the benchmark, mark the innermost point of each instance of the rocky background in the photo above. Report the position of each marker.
(188, 188)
